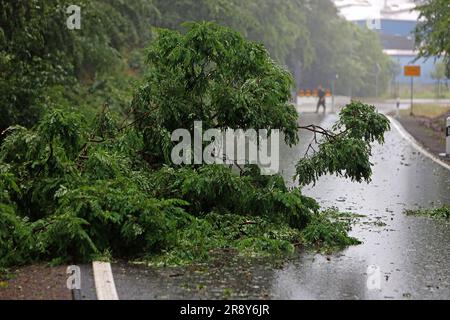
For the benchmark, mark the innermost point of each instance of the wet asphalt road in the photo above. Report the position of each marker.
(410, 254)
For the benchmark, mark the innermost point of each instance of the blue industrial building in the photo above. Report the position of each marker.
(397, 39)
(395, 22)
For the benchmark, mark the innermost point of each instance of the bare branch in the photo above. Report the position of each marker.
(317, 130)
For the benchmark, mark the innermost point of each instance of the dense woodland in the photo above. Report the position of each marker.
(86, 117)
(43, 62)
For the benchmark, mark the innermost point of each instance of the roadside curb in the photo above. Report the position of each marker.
(414, 143)
(104, 281)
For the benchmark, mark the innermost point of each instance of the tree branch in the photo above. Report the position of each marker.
(317, 130)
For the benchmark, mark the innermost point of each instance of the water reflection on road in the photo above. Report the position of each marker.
(412, 253)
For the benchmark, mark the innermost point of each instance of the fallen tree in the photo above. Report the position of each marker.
(73, 190)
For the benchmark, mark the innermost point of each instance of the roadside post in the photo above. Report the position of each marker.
(412, 72)
(447, 139)
(447, 134)
(333, 92)
(377, 75)
(332, 96)
(398, 107)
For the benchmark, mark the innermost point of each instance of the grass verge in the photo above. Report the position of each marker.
(426, 110)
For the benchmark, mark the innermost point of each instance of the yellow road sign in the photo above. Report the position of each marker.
(412, 71)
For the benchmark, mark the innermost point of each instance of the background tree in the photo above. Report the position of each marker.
(43, 63)
(432, 31)
(439, 74)
(345, 49)
(296, 35)
(38, 53)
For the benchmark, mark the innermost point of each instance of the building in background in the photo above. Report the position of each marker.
(395, 21)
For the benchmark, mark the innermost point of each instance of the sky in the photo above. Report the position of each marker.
(363, 9)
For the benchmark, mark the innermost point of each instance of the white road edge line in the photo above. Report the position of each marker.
(104, 281)
(408, 137)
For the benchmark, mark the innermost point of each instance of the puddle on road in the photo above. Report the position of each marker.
(410, 254)
(227, 277)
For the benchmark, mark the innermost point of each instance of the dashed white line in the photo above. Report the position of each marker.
(104, 281)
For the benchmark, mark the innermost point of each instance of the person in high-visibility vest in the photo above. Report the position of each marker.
(322, 94)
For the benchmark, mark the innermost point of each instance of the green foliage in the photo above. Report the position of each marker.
(75, 187)
(211, 74)
(277, 27)
(328, 230)
(71, 195)
(38, 52)
(217, 189)
(342, 48)
(15, 233)
(112, 202)
(432, 35)
(79, 206)
(307, 36)
(347, 152)
(119, 216)
(16, 241)
(42, 159)
(27, 65)
(439, 213)
(43, 63)
(440, 73)
(244, 235)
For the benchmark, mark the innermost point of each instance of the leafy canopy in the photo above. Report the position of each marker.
(212, 74)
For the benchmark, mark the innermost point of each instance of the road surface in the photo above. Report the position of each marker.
(407, 255)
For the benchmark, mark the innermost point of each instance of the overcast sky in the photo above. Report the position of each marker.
(374, 11)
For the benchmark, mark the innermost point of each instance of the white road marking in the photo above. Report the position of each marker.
(416, 144)
(104, 281)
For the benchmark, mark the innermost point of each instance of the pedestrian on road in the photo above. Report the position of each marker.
(322, 94)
